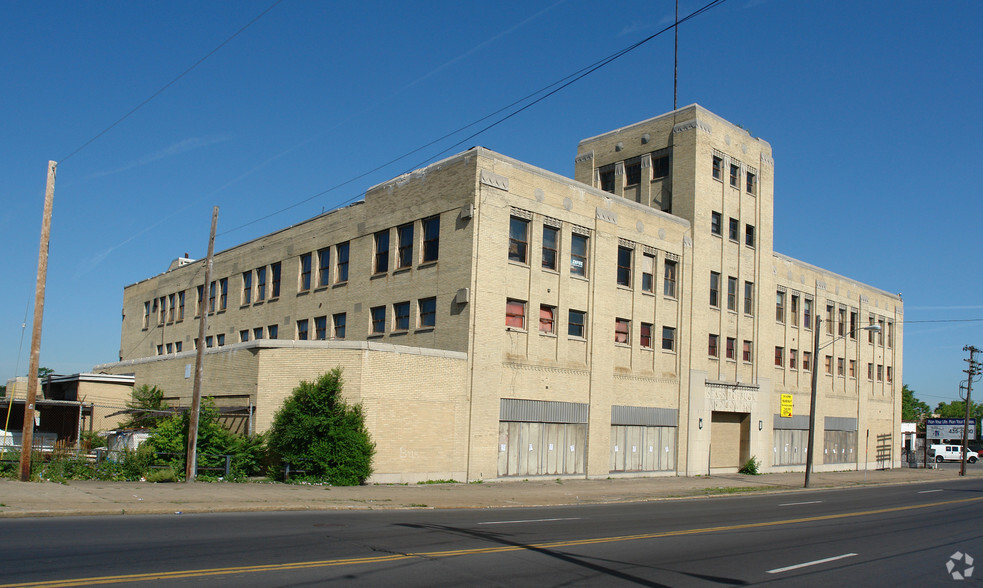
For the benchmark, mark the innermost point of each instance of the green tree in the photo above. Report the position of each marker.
(146, 401)
(317, 431)
(957, 410)
(170, 437)
(44, 372)
(912, 408)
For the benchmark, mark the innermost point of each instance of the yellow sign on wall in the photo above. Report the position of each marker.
(786, 405)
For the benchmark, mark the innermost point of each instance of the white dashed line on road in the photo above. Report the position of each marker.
(528, 521)
(810, 563)
(798, 503)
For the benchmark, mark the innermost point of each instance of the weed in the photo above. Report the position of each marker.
(450, 481)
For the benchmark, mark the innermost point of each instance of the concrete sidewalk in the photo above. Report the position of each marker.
(31, 499)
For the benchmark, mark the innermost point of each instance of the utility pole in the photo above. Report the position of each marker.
(810, 453)
(27, 432)
(191, 463)
(971, 371)
(675, 57)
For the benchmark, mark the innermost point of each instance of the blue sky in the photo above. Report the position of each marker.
(872, 109)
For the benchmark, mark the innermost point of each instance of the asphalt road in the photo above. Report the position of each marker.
(898, 535)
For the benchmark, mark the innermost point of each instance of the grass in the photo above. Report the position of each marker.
(438, 482)
(418, 505)
(733, 490)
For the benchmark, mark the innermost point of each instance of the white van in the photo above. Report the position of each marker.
(942, 453)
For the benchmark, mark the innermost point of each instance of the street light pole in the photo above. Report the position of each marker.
(815, 384)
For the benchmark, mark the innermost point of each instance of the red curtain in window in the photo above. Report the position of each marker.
(515, 314)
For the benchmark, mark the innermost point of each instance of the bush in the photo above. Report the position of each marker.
(317, 431)
(162, 475)
(750, 467)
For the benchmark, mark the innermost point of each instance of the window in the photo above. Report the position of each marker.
(890, 374)
(302, 330)
(518, 239)
(751, 183)
(578, 255)
(716, 223)
(633, 173)
(731, 293)
(258, 333)
(170, 348)
(715, 289)
(749, 235)
(378, 320)
(220, 340)
(272, 331)
(792, 358)
(713, 346)
(645, 336)
(841, 323)
(404, 254)
(160, 350)
(779, 356)
(547, 319)
(880, 373)
(890, 335)
(576, 320)
(177, 347)
(734, 229)
(624, 266)
(794, 310)
(870, 371)
(321, 328)
(735, 176)
(746, 352)
(170, 308)
(550, 235)
(648, 273)
(244, 335)
(324, 266)
(880, 332)
(718, 168)
(807, 360)
(381, 260)
(305, 272)
(212, 289)
(261, 284)
(161, 307)
(223, 293)
(830, 321)
(853, 325)
(427, 308)
(275, 280)
(199, 301)
(607, 179)
(341, 252)
(669, 282)
(338, 321)
(660, 167)
(668, 338)
(431, 238)
(807, 313)
(515, 314)
(731, 349)
(839, 366)
(180, 305)
(749, 298)
(829, 364)
(622, 328)
(209, 342)
(247, 287)
(401, 316)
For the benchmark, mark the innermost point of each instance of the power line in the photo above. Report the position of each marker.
(172, 82)
(556, 86)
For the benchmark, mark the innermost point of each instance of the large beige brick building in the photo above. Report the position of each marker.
(498, 320)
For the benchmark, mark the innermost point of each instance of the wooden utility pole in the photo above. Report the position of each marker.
(27, 433)
(675, 57)
(191, 465)
(971, 372)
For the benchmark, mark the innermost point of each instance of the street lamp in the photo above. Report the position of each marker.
(815, 383)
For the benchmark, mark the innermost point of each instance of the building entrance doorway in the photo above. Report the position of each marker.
(730, 439)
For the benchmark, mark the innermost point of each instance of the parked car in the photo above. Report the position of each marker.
(942, 453)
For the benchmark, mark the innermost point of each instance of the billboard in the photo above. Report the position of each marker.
(948, 428)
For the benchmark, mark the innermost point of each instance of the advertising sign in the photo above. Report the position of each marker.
(948, 428)
(786, 405)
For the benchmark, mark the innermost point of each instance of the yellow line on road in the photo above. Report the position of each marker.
(93, 581)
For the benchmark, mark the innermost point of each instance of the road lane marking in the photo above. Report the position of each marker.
(927, 491)
(798, 503)
(810, 563)
(529, 521)
(101, 580)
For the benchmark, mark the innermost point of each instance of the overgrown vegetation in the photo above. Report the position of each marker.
(146, 402)
(750, 467)
(318, 433)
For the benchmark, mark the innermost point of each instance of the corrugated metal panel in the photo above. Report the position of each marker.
(841, 424)
(538, 411)
(795, 422)
(644, 415)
